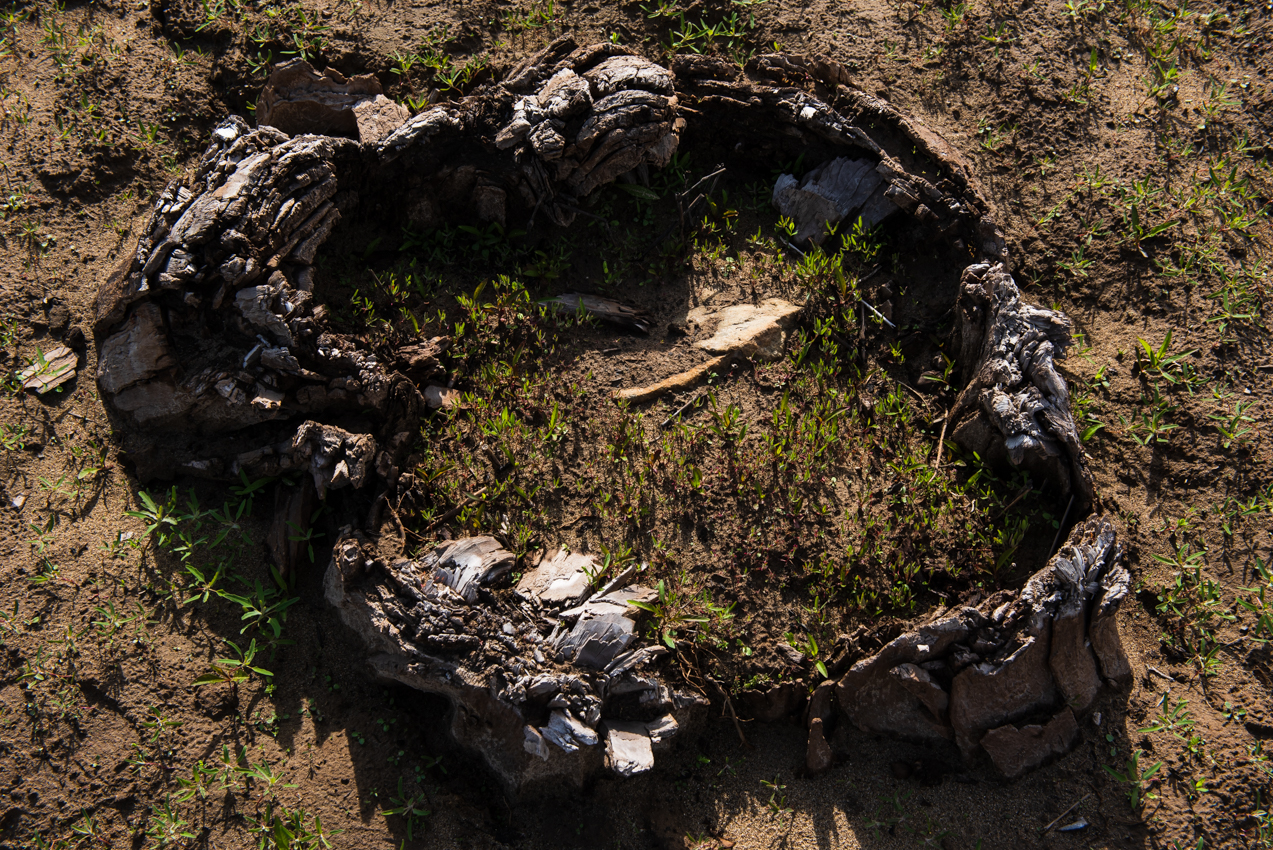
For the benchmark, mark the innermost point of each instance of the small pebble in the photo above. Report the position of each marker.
(509, 629)
(18, 501)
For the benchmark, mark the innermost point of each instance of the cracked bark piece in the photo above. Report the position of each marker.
(606, 309)
(629, 750)
(136, 352)
(51, 369)
(335, 457)
(377, 118)
(464, 565)
(662, 729)
(1015, 406)
(1071, 661)
(568, 733)
(439, 397)
(288, 539)
(876, 701)
(836, 191)
(297, 99)
(535, 744)
(999, 691)
(922, 687)
(560, 580)
(597, 640)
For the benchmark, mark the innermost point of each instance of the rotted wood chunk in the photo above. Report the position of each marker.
(1015, 406)
(1006, 681)
(540, 688)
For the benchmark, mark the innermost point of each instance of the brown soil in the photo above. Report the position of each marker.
(100, 724)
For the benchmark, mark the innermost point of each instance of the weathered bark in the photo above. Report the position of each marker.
(296, 99)
(1016, 406)
(211, 329)
(970, 677)
(532, 680)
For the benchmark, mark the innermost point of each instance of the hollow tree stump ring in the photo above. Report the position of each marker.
(215, 359)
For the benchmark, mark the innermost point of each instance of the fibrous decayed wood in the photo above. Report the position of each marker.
(533, 680)
(830, 193)
(216, 358)
(1038, 656)
(1015, 406)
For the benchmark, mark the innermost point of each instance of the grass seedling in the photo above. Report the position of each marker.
(1234, 428)
(1137, 779)
(1259, 601)
(232, 671)
(1157, 362)
(410, 807)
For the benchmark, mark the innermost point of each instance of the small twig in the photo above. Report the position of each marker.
(1158, 672)
(791, 246)
(915, 393)
(694, 402)
(449, 515)
(1061, 527)
(719, 171)
(737, 726)
(587, 214)
(1015, 499)
(941, 441)
(534, 213)
(1064, 813)
(877, 313)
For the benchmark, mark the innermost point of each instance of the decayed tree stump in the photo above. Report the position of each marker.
(216, 359)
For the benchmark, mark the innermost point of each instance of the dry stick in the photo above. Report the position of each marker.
(719, 171)
(737, 726)
(471, 497)
(534, 213)
(1061, 527)
(914, 392)
(877, 313)
(941, 441)
(1015, 499)
(1066, 812)
(693, 402)
(681, 196)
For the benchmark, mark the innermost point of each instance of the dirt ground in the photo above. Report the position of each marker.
(1124, 145)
